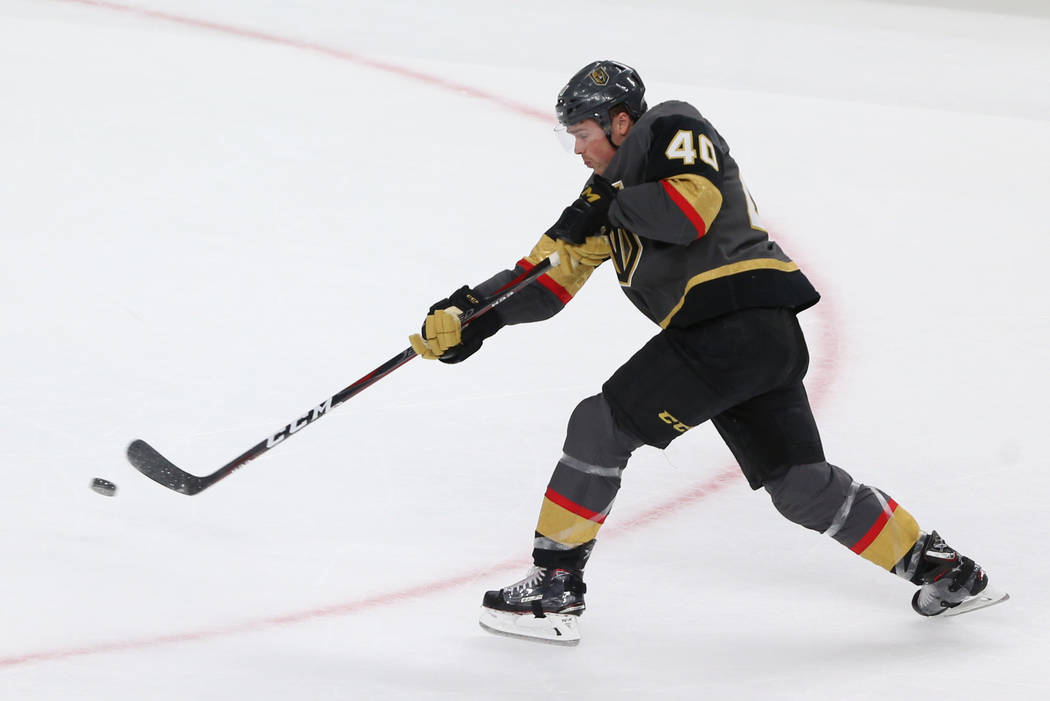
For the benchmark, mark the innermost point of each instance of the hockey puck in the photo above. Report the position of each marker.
(104, 487)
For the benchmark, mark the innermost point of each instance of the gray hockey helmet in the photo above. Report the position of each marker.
(596, 88)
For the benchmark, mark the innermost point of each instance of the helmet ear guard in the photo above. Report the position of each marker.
(598, 87)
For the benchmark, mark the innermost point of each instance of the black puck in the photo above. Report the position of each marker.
(104, 487)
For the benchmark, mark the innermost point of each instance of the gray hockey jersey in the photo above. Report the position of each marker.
(685, 238)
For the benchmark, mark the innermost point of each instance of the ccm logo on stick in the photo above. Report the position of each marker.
(312, 415)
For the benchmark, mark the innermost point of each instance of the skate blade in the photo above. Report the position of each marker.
(988, 597)
(554, 629)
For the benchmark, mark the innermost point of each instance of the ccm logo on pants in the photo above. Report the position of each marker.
(677, 425)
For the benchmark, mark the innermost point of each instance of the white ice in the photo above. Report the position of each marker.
(215, 214)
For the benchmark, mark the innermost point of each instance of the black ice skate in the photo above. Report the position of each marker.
(950, 583)
(545, 606)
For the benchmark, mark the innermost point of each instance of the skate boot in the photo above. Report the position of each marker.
(544, 606)
(949, 582)
(544, 590)
(547, 604)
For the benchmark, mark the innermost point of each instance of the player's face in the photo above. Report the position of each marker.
(591, 144)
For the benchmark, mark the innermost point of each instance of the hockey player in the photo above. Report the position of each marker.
(666, 205)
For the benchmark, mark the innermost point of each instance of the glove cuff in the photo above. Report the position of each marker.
(485, 325)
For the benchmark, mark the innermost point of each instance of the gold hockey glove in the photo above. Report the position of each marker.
(444, 338)
(592, 252)
(442, 331)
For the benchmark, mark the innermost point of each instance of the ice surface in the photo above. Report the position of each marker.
(215, 214)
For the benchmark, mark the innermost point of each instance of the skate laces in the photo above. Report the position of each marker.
(530, 581)
(938, 559)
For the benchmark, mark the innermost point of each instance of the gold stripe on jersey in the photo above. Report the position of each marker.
(701, 194)
(571, 282)
(743, 266)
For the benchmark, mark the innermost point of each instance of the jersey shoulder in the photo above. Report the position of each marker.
(679, 141)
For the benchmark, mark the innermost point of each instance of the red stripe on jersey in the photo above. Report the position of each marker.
(521, 264)
(687, 209)
(545, 280)
(575, 508)
(873, 533)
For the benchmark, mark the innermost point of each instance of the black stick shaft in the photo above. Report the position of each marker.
(158, 468)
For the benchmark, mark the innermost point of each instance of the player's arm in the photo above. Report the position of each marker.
(444, 339)
(552, 291)
(681, 194)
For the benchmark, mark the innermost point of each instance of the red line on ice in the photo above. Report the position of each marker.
(818, 389)
(402, 71)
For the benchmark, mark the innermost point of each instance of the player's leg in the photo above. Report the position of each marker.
(824, 498)
(679, 379)
(584, 485)
(653, 398)
(775, 439)
(578, 498)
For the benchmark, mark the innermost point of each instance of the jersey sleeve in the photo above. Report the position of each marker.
(542, 299)
(681, 194)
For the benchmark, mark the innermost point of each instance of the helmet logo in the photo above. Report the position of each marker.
(599, 76)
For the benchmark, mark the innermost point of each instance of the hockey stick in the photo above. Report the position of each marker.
(159, 469)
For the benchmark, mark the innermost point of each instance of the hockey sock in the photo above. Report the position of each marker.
(825, 498)
(578, 499)
(874, 526)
